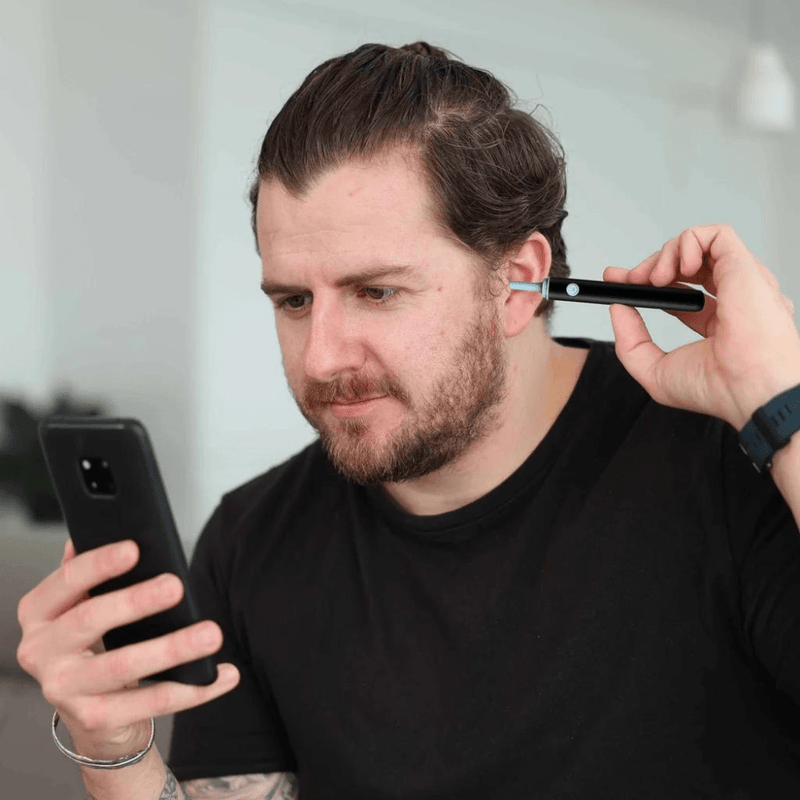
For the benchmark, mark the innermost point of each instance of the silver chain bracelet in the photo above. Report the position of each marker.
(105, 763)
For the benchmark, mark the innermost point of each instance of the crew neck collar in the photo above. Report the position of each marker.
(526, 477)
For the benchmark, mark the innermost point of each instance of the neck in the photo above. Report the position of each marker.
(541, 377)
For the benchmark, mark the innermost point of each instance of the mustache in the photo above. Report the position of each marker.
(350, 390)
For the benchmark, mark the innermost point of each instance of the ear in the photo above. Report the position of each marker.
(532, 265)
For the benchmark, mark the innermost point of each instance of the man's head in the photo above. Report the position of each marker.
(493, 173)
(351, 186)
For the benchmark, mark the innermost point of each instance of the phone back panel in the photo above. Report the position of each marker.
(137, 509)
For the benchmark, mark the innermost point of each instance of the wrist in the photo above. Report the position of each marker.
(144, 780)
(788, 455)
(772, 428)
(131, 740)
(760, 391)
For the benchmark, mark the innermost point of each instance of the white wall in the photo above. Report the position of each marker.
(24, 199)
(638, 92)
(123, 217)
(98, 212)
(128, 135)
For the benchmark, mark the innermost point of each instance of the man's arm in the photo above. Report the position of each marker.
(151, 779)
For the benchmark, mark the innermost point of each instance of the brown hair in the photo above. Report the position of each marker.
(495, 174)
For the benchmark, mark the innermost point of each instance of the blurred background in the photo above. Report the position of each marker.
(128, 136)
(129, 282)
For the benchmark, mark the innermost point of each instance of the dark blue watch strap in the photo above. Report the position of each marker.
(771, 428)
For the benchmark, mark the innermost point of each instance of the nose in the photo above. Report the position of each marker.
(332, 345)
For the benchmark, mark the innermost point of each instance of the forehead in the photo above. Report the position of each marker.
(384, 201)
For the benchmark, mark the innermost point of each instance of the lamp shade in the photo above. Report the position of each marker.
(767, 97)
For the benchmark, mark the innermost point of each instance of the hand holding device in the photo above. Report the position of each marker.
(97, 693)
(118, 612)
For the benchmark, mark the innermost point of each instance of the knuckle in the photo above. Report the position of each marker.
(84, 615)
(93, 715)
(25, 657)
(22, 610)
(55, 687)
(119, 665)
(51, 693)
(61, 675)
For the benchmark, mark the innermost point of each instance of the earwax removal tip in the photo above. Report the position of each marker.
(524, 286)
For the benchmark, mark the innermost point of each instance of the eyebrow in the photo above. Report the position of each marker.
(365, 277)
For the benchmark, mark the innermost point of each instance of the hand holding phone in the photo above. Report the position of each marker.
(97, 693)
(118, 612)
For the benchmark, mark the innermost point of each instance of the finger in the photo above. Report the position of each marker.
(703, 322)
(634, 346)
(681, 258)
(69, 551)
(69, 554)
(126, 708)
(692, 252)
(126, 666)
(65, 587)
(724, 252)
(649, 262)
(80, 627)
(643, 273)
(639, 274)
(616, 274)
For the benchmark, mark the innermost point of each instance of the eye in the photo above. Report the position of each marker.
(377, 294)
(295, 302)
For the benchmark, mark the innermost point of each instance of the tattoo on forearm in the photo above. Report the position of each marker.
(171, 790)
(271, 786)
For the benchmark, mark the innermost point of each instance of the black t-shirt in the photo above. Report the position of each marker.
(620, 618)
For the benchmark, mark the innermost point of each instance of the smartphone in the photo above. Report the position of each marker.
(107, 481)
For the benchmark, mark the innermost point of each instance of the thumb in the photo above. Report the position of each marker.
(634, 347)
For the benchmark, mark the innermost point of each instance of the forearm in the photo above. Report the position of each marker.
(148, 780)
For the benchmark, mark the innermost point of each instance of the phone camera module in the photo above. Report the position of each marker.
(97, 477)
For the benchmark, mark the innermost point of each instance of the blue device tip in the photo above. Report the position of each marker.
(524, 286)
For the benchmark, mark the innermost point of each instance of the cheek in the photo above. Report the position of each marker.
(425, 352)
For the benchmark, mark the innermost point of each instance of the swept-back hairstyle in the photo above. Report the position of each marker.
(494, 174)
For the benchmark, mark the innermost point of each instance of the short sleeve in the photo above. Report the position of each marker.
(765, 545)
(240, 732)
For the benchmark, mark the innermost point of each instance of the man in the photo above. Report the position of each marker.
(512, 566)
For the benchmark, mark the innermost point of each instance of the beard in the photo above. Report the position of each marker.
(459, 410)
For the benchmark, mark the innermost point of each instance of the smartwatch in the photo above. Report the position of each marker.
(770, 428)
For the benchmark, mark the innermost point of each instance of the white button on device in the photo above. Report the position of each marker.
(572, 289)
